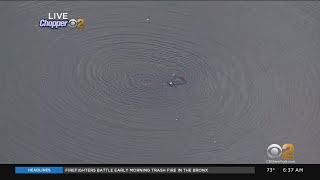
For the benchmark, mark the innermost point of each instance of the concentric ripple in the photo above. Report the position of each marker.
(117, 79)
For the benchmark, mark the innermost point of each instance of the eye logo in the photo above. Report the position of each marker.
(72, 23)
(275, 151)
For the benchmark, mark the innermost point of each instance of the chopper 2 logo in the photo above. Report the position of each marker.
(275, 151)
(57, 20)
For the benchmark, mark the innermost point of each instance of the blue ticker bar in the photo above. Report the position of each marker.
(39, 170)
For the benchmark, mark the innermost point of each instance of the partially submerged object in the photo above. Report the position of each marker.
(171, 83)
(176, 80)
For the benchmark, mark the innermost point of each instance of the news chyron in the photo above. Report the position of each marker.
(61, 20)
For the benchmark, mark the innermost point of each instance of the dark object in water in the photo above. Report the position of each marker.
(176, 81)
(171, 83)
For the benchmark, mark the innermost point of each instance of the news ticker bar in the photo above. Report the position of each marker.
(158, 169)
(134, 170)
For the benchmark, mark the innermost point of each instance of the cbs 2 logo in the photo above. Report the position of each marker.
(275, 151)
(76, 23)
